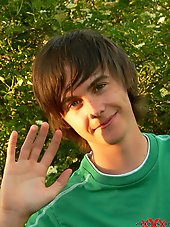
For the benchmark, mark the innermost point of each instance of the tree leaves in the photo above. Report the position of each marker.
(140, 27)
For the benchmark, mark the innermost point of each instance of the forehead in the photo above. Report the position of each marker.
(74, 80)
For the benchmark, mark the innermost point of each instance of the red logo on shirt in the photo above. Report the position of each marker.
(153, 223)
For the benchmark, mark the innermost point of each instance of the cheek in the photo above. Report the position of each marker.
(72, 119)
(68, 120)
(78, 121)
(124, 97)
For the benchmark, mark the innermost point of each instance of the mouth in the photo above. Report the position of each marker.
(106, 123)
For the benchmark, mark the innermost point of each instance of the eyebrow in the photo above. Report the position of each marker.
(90, 86)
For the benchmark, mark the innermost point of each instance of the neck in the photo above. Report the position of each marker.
(122, 157)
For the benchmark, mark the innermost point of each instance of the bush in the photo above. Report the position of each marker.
(140, 27)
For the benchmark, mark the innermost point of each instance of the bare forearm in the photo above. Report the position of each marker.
(9, 219)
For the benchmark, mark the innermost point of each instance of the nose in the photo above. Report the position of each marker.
(95, 107)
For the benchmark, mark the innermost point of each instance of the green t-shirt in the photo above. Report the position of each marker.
(94, 199)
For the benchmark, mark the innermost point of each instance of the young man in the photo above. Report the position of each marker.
(87, 87)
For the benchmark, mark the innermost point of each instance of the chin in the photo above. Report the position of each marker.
(112, 140)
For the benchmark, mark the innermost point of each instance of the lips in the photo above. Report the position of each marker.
(105, 123)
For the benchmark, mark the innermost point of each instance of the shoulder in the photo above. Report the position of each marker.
(164, 144)
(159, 142)
(164, 139)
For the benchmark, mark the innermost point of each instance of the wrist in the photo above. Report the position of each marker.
(11, 218)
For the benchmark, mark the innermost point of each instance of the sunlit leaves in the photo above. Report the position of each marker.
(140, 27)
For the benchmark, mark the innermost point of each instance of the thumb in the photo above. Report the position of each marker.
(60, 183)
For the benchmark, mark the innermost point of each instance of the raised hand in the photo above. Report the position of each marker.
(23, 189)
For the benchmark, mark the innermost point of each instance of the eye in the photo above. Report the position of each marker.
(99, 87)
(75, 104)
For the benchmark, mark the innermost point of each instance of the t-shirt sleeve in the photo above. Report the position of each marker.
(43, 218)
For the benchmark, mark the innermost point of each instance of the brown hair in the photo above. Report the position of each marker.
(84, 51)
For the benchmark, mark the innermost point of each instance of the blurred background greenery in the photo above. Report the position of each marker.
(141, 27)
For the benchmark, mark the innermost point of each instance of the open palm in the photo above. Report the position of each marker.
(23, 187)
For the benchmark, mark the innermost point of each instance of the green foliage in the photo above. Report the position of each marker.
(140, 27)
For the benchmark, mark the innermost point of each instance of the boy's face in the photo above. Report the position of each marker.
(99, 109)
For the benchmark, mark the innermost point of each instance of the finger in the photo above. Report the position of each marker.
(60, 183)
(28, 143)
(39, 142)
(12, 147)
(52, 149)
